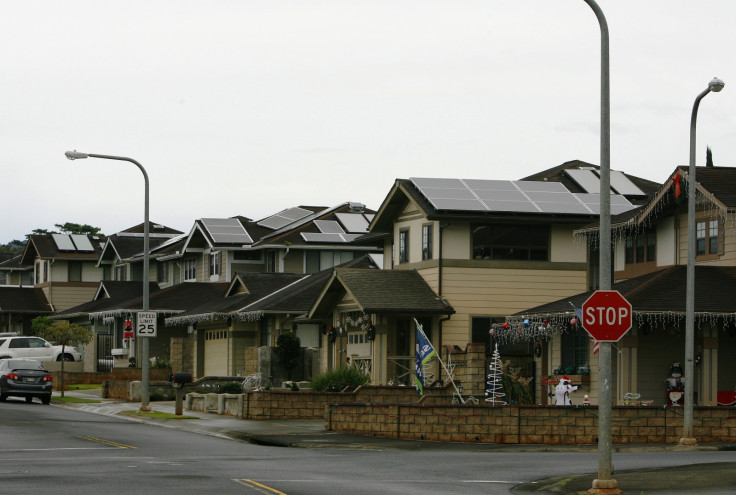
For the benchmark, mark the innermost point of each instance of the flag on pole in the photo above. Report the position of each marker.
(424, 352)
(596, 344)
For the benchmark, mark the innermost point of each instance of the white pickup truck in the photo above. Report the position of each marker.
(19, 346)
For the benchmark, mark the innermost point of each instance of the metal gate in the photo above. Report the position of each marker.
(104, 352)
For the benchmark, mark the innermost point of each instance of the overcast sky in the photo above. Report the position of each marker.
(249, 107)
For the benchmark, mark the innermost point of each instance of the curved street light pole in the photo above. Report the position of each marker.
(688, 437)
(74, 155)
(604, 483)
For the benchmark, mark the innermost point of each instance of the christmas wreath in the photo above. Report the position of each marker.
(331, 334)
(370, 332)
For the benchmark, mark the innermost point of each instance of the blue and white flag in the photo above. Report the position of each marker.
(424, 352)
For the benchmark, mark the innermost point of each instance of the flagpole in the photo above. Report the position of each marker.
(419, 327)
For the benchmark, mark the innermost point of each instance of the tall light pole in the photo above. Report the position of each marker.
(688, 437)
(74, 155)
(604, 483)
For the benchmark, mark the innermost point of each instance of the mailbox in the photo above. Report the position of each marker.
(180, 377)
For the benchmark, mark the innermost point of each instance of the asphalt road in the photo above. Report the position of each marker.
(46, 449)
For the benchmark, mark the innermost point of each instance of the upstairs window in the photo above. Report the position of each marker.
(162, 274)
(190, 269)
(427, 242)
(707, 238)
(121, 273)
(511, 242)
(75, 271)
(403, 246)
(215, 264)
(641, 247)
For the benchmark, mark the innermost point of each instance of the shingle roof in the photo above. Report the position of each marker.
(391, 291)
(110, 295)
(664, 291)
(23, 300)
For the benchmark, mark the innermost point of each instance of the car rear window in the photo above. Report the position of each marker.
(24, 364)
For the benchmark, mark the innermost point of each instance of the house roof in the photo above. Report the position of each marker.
(109, 296)
(663, 291)
(11, 262)
(380, 291)
(252, 294)
(44, 246)
(23, 300)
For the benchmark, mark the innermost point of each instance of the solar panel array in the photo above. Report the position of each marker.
(330, 231)
(73, 242)
(227, 231)
(354, 222)
(284, 218)
(590, 181)
(511, 197)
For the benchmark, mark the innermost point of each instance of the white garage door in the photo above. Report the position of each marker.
(215, 353)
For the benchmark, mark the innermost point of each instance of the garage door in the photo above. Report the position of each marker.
(215, 353)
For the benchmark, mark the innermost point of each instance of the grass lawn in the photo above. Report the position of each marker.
(158, 415)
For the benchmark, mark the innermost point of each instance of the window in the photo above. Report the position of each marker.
(3, 278)
(247, 255)
(271, 262)
(190, 269)
(316, 261)
(403, 246)
(121, 273)
(75, 271)
(511, 242)
(162, 272)
(700, 238)
(41, 272)
(713, 237)
(575, 349)
(215, 264)
(642, 247)
(427, 242)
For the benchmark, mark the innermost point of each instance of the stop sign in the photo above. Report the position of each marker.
(607, 315)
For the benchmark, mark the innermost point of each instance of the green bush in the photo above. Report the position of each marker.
(337, 380)
(230, 388)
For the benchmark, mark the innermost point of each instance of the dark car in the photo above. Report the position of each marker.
(25, 378)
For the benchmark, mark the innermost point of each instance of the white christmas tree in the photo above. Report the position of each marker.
(494, 384)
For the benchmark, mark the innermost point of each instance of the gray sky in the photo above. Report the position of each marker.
(249, 107)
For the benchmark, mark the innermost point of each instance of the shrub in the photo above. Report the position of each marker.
(289, 351)
(337, 380)
(230, 388)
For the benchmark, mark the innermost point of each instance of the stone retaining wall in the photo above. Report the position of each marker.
(527, 425)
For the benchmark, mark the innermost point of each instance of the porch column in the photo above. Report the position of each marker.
(708, 369)
(627, 369)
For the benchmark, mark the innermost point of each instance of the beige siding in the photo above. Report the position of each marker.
(64, 297)
(216, 354)
(294, 261)
(728, 258)
(501, 292)
(566, 248)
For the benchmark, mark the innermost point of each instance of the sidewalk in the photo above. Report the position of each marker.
(696, 478)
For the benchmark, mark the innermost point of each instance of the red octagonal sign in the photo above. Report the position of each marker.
(607, 315)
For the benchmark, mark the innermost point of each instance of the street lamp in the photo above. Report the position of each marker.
(688, 438)
(604, 483)
(74, 155)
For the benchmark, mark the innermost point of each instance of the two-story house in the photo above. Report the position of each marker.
(650, 258)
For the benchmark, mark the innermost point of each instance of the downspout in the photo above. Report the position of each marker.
(48, 277)
(439, 289)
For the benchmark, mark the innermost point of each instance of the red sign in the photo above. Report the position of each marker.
(607, 315)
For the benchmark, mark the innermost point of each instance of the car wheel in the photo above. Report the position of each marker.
(29, 400)
(46, 400)
(3, 397)
(66, 357)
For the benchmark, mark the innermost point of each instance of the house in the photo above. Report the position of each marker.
(650, 258)
(487, 249)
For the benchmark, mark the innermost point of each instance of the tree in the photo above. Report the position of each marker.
(75, 228)
(289, 350)
(12, 246)
(63, 332)
(708, 157)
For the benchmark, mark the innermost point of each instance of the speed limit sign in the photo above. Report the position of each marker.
(146, 324)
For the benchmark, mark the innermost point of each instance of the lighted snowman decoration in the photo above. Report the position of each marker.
(675, 385)
(563, 390)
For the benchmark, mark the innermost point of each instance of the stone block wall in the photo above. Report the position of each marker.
(181, 354)
(469, 367)
(528, 424)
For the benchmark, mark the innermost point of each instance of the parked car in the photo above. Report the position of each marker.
(36, 348)
(25, 378)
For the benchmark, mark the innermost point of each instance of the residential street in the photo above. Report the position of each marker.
(45, 447)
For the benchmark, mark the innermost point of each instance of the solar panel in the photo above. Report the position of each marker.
(82, 242)
(63, 242)
(527, 186)
(489, 194)
(619, 204)
(512, 206)
(429, 182)
(569, 208)
(329, 227)
(320, 237)
(459, 204)
(586, 179)
(490, 185)
(552, 197)
(623, 184)
(227, 231)
(353, 222)
(284, 218)
(447, 193)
